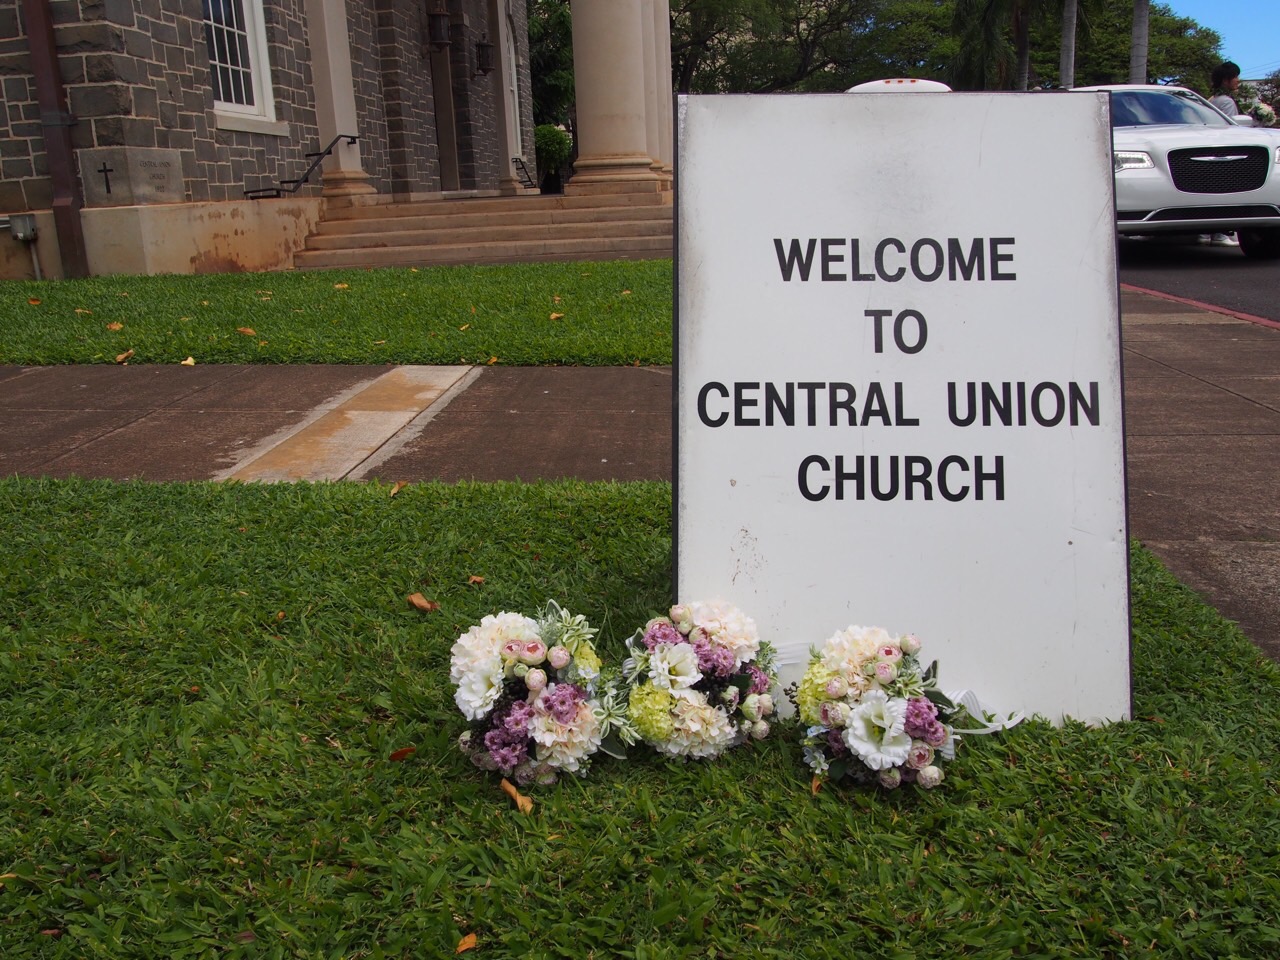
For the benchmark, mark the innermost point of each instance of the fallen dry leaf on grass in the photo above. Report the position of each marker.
(341, 286)
(83, 310)
(189, 362)
(34, 301)
(555, 316)
(247, 331)
(464, 326)
(475, 579)
(399, 485)
(492, 361)
(115, 326)
(523, 803)
(419, 602)
(466, 943)
(815, 786)
(404, 753)
(124, 357)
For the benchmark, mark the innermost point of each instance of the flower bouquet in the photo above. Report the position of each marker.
(871, 713)
(700, 680)
(534, 693)
(1262, 113)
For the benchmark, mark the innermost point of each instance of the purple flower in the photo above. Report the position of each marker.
(921, 715)
(713, 660)
(508, 758)
(835, 742)
(516, 721)
(561, 701)
(760, 682)
(936, 735)
(660, 631)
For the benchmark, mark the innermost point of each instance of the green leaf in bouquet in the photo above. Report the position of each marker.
(939, 699)
(613, 747)
(931, 674)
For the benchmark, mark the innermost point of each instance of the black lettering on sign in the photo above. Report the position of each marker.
(890, 259)
(909, 477)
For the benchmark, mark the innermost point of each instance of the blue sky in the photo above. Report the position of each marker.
(1250, 30)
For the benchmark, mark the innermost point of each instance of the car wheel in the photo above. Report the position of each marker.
(1260, 244)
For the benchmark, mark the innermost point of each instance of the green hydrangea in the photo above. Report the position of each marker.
(812, 692)
(586, 661)
(650, 710)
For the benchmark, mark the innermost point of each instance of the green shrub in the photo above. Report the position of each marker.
(552, 146)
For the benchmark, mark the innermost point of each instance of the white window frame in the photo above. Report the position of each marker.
(260, 117)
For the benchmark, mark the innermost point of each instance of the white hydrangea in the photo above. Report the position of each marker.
(700, 730)
(566, 745)
(728, 627)
(475, 664)
(848, 650)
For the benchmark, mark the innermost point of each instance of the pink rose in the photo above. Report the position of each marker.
(559, 657)
(837, 688)
(890, 779)
(920, 756)
(889, 653)
(886, 672)
(535, 651)
(910, 644)
(833, 714)
(535, 680)
(512, 649)
(929, 777)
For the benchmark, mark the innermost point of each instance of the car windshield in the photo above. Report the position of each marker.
(1137, 108)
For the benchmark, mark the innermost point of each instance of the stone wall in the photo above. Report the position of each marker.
(136, 74)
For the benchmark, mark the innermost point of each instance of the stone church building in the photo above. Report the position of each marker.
(172, 136)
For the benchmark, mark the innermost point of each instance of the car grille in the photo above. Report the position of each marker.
(1250, 212)
(1219, 169)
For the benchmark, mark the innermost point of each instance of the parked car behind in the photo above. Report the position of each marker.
(1182, 166)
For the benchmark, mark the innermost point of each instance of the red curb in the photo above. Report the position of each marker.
(1262, 321)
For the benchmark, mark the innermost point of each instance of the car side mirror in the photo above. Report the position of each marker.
(1243, 120)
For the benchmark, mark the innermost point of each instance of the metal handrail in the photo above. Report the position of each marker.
(293, 186)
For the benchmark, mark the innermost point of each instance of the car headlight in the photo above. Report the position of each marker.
(1131, 160)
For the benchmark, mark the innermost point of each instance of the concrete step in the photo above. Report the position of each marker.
(528, 251)
(382, 211)
(513, 216)
(496, 232)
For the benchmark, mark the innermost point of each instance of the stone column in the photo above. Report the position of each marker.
(609, 80)
(335, 98)
(666, 117)
(652, 112)
(503, 92)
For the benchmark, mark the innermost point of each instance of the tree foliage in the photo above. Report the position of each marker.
(766, 46)
(1179, 50)
(551, 61)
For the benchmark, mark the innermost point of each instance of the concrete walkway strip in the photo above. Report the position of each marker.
(333, 444)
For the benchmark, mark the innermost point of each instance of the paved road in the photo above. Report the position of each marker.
(1220, 276)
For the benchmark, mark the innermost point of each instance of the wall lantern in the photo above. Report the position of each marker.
(438, 28)
(484, 56)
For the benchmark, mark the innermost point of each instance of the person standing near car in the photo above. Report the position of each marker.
(1226, 81)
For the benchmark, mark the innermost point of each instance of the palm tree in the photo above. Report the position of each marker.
(1139, 43)
(1067, 59)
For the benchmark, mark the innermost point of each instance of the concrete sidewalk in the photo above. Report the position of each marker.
(1202, 394)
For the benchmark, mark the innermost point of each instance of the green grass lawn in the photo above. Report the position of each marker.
(616, 312)
(202, 686)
